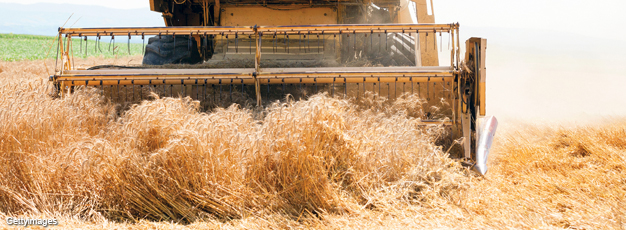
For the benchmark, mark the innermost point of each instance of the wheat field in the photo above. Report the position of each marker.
(324, 163)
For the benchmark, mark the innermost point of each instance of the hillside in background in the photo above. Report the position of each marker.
(46, 18)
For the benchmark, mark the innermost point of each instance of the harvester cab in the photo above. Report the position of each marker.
(215, 51)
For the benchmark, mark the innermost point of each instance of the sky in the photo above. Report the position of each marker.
(598, 18)
(546, 60)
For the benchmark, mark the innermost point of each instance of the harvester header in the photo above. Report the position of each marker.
(199, 56)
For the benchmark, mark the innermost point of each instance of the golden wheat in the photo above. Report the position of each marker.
(319, 163)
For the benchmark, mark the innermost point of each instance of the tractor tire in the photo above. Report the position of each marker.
(208, 47)
(162, 51)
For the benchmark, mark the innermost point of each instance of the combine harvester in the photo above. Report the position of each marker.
(210, 49)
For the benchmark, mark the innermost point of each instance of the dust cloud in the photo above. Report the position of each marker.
(553, 61)
(546, 76)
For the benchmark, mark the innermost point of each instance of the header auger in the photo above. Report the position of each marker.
(267, 49)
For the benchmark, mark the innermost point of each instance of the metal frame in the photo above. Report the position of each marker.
(68, 76)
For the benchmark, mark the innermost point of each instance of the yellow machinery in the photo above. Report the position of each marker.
(269, 47)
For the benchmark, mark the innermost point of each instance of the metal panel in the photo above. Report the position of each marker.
(485, 135)
(478, 48)
(247, 75)
(483, 76)
(428, 42)
(152, 5)
(263, 16)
